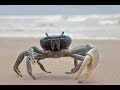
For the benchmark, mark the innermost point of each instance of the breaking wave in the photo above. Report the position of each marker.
(77, 26)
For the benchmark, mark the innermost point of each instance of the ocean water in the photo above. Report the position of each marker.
(76, 26)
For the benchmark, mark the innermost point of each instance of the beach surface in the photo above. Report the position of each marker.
(106, 73)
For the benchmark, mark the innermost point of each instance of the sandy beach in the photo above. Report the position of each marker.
(106, 73)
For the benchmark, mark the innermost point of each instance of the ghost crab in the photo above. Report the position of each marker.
(55, 47)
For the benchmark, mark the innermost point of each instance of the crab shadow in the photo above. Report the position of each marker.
(53, 77)
(59, 77)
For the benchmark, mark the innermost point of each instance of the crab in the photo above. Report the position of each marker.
(57, 46)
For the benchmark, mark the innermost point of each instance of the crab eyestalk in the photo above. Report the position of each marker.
(61, 35)
(47, 35)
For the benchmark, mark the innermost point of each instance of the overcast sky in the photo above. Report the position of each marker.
(58, 9)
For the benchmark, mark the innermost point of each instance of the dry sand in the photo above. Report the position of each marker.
(106, 73)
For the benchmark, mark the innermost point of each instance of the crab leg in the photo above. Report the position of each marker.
(77, 57)
(74, 70)
(75, 62)
(42, 67)
(18, 61)
(77, 66)
(29, 68)
(37, 50)
(37, 53)
(29, 53)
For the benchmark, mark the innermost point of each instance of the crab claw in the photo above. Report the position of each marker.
(91, 61)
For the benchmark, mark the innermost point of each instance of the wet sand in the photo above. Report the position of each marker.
(106, 73)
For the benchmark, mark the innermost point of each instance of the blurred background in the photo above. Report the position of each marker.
(78, 21)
